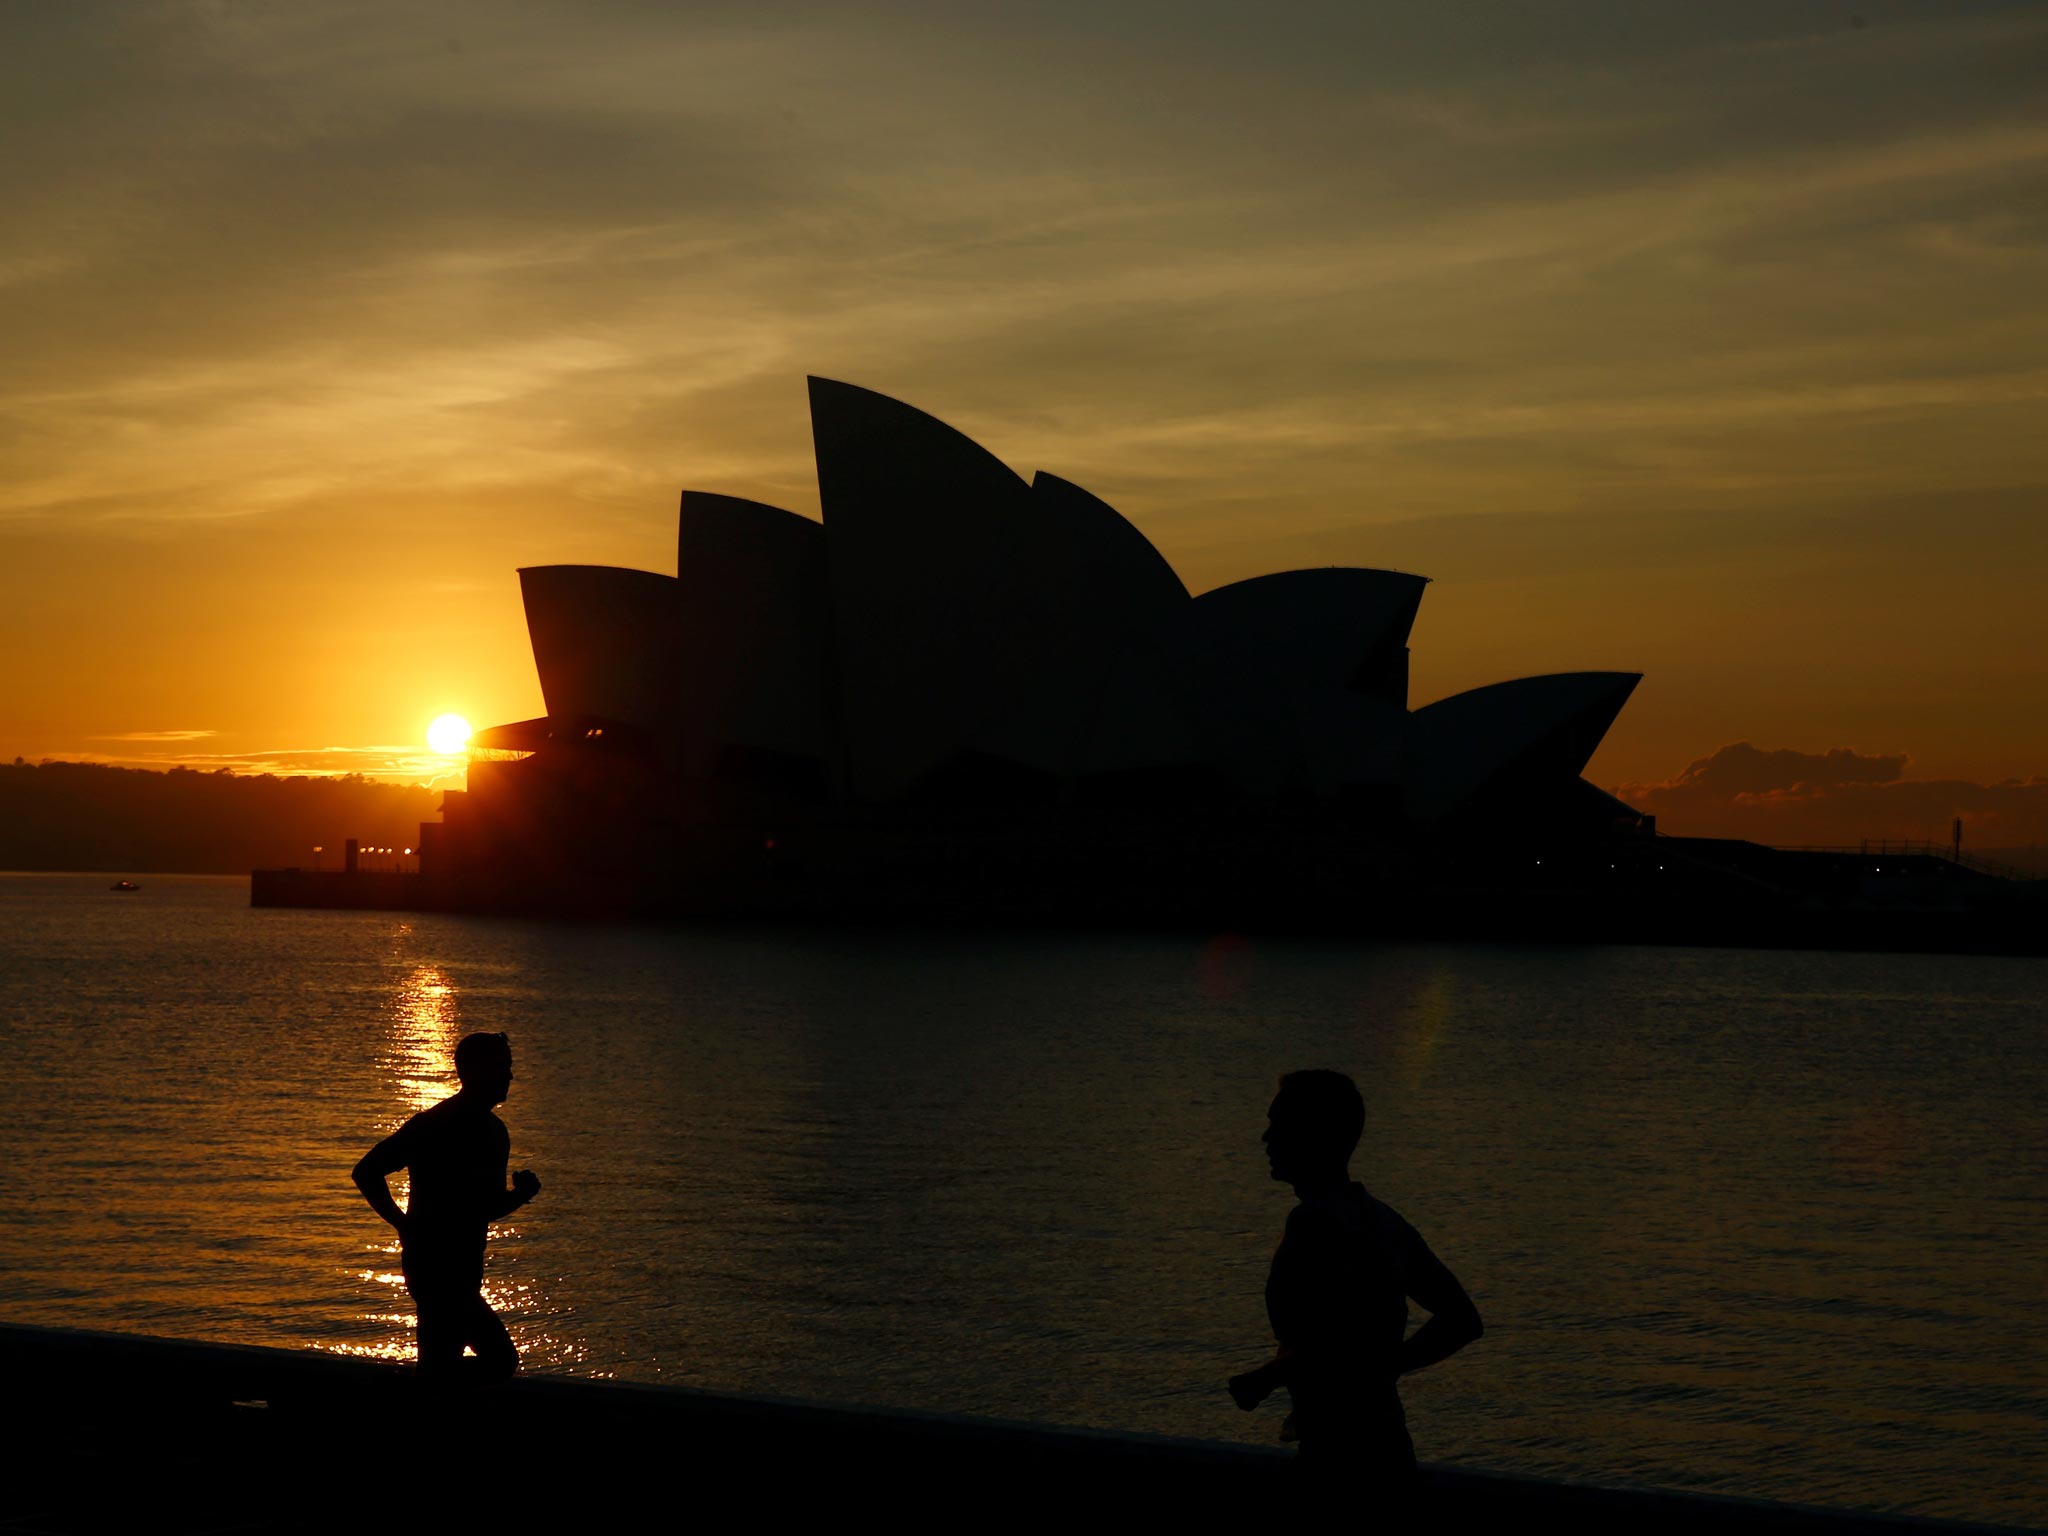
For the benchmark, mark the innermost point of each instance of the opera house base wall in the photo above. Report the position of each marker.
(363, 890)
(1283, 871)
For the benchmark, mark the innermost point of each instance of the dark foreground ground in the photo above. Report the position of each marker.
(114, 1433)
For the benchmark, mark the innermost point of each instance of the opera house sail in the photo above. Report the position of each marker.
(965, 692)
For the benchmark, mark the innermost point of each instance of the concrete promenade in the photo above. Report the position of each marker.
(124, 1433)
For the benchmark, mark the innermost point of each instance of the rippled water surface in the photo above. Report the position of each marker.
(1749, 1222)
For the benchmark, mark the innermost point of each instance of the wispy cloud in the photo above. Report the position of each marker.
(156, 736)
(520, 301)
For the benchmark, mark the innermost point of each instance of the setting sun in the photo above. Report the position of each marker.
(448, 733)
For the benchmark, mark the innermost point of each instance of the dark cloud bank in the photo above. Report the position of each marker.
(1842, 796)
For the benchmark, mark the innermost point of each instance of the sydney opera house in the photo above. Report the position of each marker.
(967, 693)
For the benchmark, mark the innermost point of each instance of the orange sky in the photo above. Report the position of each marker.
(1706, 341)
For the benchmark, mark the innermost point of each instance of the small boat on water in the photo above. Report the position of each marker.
(124, 885)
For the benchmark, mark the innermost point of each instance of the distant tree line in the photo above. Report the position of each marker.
(56, 815)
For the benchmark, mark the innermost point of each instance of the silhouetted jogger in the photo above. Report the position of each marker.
(457, 1151)
(1337, 1296)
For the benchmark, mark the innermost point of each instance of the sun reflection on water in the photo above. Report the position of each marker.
(426, 1023)
(1428, 1011)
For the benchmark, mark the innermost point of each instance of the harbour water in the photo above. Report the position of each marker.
(1750, 1222)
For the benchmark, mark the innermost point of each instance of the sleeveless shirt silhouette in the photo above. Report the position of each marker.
(1337, 1297)
(457, 1152)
